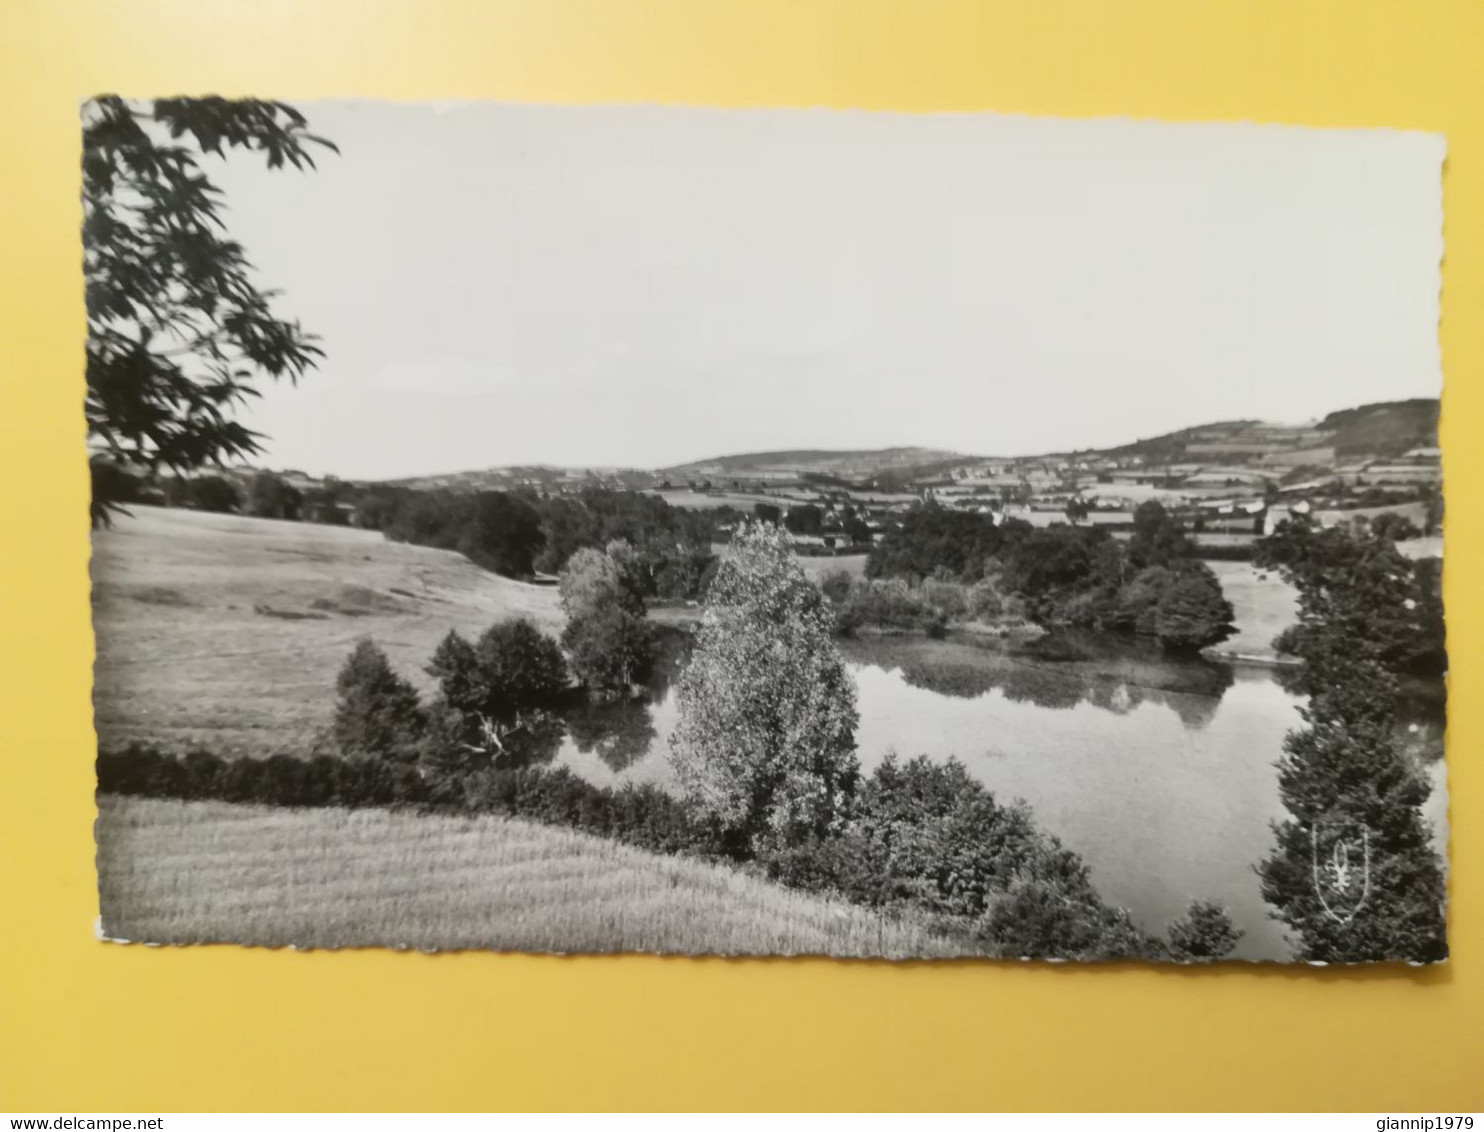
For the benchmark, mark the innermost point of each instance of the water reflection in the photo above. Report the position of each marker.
(618, 733)
(1158, 771)
(1059, 672)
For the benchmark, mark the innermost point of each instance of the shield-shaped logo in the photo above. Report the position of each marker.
(1342, 867)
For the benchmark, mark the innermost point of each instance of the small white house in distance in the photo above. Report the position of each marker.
(1277, 514)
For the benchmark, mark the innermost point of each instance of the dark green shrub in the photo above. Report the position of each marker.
(836, 586)
(1203, 935)
(378, 713)
(202, 770)
(1192, 612)
(242, 780)
(521, 667)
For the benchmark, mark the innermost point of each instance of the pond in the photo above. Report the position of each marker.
(1159, 773)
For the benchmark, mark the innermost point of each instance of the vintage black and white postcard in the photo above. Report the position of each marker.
(764, 532)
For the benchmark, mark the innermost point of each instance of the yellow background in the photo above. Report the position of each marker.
(88, 1026)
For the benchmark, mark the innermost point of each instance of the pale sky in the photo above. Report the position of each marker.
(644, 286)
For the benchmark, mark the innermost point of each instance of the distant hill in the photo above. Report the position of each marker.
(1384, 429)
(1387, 428)
(540, 476)
(853, 464)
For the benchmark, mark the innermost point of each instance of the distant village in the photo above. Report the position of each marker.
(1228, 483)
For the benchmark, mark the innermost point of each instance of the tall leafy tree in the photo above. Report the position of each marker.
(378, 713)
(765, 745)
(610, 648)
(1158, 539)
(521, 668)
(179, 332)
(595, 580)
(455, 664)
(607, 635)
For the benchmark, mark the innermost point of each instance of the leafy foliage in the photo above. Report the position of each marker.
(1388, 428)
(1158, 539)
(836, 585)
(610, 648)
(1153, 585)
(208, 493)
(926, 838)
(272, 497)
(519, 667)
(494, 696)
(516, 534)
(1358, 595)
(1203, 935)
(1395, 527)
(765, 745)
(1192, 612)
(597, 516)
(378, 713)
(931, 538)
(805, 519)
(889, 605)
(178, 330)
(607, 636)
(456, 666)
(594, 580)
(926, 841)
(643, 816)
(1344, 775)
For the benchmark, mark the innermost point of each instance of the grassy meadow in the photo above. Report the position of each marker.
(227, 632)
(817, 566)
(198, 872)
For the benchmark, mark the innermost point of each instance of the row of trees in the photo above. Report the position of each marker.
(1353, 872)
(849, 526)
(1152, 585)
(267, 495)
(493, 693)
(497, 692)
(520, 533)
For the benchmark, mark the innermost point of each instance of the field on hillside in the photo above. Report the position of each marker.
(817, 566)
(710, 500)
(227, 632)
(196, 872)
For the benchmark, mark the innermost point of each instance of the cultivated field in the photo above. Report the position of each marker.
(817, 566)
(197, 872)
(227, 632)
(711, 500)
